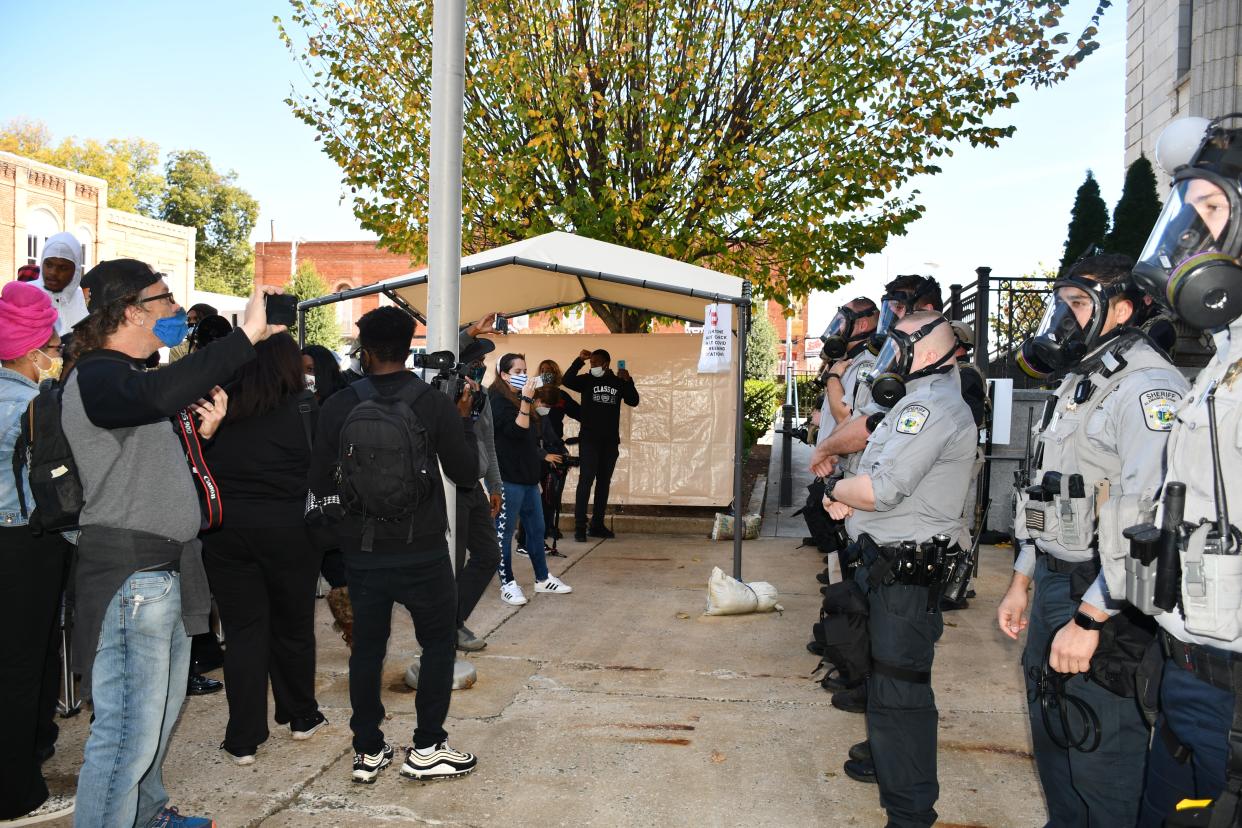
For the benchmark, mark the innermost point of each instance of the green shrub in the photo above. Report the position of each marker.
(762, 400)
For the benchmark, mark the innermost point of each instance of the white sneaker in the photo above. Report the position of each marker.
(511, 593)
(55, 807)
(553, 584)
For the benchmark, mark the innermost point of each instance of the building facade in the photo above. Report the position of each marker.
(1183, 58)
(38, 200)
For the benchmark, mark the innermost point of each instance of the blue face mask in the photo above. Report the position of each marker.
(171, 330)
(518, 381)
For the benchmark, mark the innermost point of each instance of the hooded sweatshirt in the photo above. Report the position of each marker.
(70, 303)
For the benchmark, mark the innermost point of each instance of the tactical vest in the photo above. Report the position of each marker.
(1062, 513)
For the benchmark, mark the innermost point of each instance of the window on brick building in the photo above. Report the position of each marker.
(40, 223)
(1185, 22)
(344, 312)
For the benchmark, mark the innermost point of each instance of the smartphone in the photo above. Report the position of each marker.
(621, 365)
(501, 325)
(282, 309)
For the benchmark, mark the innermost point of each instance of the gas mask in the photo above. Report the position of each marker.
(895, 305)
(1060, 341)
(839, 336)
(893, 366)
(1190, 264)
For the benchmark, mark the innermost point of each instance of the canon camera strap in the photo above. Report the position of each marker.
(208, 493)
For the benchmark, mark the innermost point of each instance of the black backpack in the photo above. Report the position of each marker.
(44, 450)
(385, 458)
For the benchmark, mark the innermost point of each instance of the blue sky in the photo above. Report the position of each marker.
(213, 76)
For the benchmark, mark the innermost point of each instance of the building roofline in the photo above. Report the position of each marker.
(59, 172)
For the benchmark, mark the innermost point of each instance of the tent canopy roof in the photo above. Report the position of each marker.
(558, 270)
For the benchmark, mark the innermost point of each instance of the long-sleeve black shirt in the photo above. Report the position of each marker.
(451, 439)
(517, 449)
(261, 465)
(601, 402)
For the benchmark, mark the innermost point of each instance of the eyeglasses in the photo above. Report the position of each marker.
(58, 350)
(165, 296)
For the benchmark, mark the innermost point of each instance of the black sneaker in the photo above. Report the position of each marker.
(368, 765)
(580, 535)
(852, 700)
(601, 532)
(861, 752)
(199, 685)
(860, 771)
(306, 728)
(439, 762)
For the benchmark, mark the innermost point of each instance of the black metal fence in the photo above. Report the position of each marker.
(1004, 311)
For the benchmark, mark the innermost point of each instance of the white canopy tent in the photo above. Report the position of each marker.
(559, 270)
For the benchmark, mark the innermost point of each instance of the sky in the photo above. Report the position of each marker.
(214, 76)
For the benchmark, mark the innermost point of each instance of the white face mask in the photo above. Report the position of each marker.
(597, 371)
(542, 410)
(310, 381)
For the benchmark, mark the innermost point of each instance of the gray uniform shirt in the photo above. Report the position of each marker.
(1125, 435)
(1190, 454)
(919, 460)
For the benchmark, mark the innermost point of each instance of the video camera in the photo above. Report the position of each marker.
(450, 377)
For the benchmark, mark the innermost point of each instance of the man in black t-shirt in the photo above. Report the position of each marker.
(602, 393)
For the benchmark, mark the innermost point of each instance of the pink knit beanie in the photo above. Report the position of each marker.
(27, 319)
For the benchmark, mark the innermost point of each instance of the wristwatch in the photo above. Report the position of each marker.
(1087, 622)
(836, 377)
(526, 399)
(829, 486)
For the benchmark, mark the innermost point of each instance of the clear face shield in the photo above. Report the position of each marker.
(892, 309)
(1190, 264)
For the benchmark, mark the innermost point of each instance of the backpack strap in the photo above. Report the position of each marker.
(19, 454)
(412, 392)
(306, 408)
(365, 389)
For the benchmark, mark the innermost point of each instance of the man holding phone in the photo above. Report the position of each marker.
(602, 394)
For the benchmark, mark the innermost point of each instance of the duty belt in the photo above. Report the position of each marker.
(929, 564)
(1207, 663)
(1055, 564)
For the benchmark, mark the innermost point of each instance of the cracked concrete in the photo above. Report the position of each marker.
(621, 704)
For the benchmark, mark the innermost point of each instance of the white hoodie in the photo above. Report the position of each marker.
(70, 303)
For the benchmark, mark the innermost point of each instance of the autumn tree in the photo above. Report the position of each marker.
(129, 165)
(769, 138)
(761, 342)
(196, 195)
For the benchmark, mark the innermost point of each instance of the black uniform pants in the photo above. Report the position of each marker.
(264, 584)
(598, 460)
(426, 589)
(901, 714)
(32, 578)
(476, 534)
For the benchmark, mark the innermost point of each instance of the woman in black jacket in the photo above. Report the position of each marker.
(261, 564)
(519, 453)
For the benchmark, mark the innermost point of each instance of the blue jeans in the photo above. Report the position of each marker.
(1199, 716)
(138, 684)
(1103, 787)
(521, 502)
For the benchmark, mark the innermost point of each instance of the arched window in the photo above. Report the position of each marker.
(87, 238)
(344, 312)
(40, 223)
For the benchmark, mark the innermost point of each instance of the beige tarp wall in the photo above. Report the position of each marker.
(677, 445)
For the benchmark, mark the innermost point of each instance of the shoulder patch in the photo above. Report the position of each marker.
(911, 419)
(864, 370)
(1159, 408)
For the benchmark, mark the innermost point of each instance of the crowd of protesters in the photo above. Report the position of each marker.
(215, 491)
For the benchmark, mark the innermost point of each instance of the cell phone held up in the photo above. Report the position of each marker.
(501, 325)
(282, 309)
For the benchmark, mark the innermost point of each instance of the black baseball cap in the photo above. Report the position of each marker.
(115, 279)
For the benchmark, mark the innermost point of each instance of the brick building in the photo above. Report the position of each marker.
(341, 264)
(38, 200)
(1183, 58)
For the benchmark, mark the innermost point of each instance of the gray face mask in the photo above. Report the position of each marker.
(597, 371)
(542, 410)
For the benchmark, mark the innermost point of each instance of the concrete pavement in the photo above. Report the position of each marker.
(623, 705)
